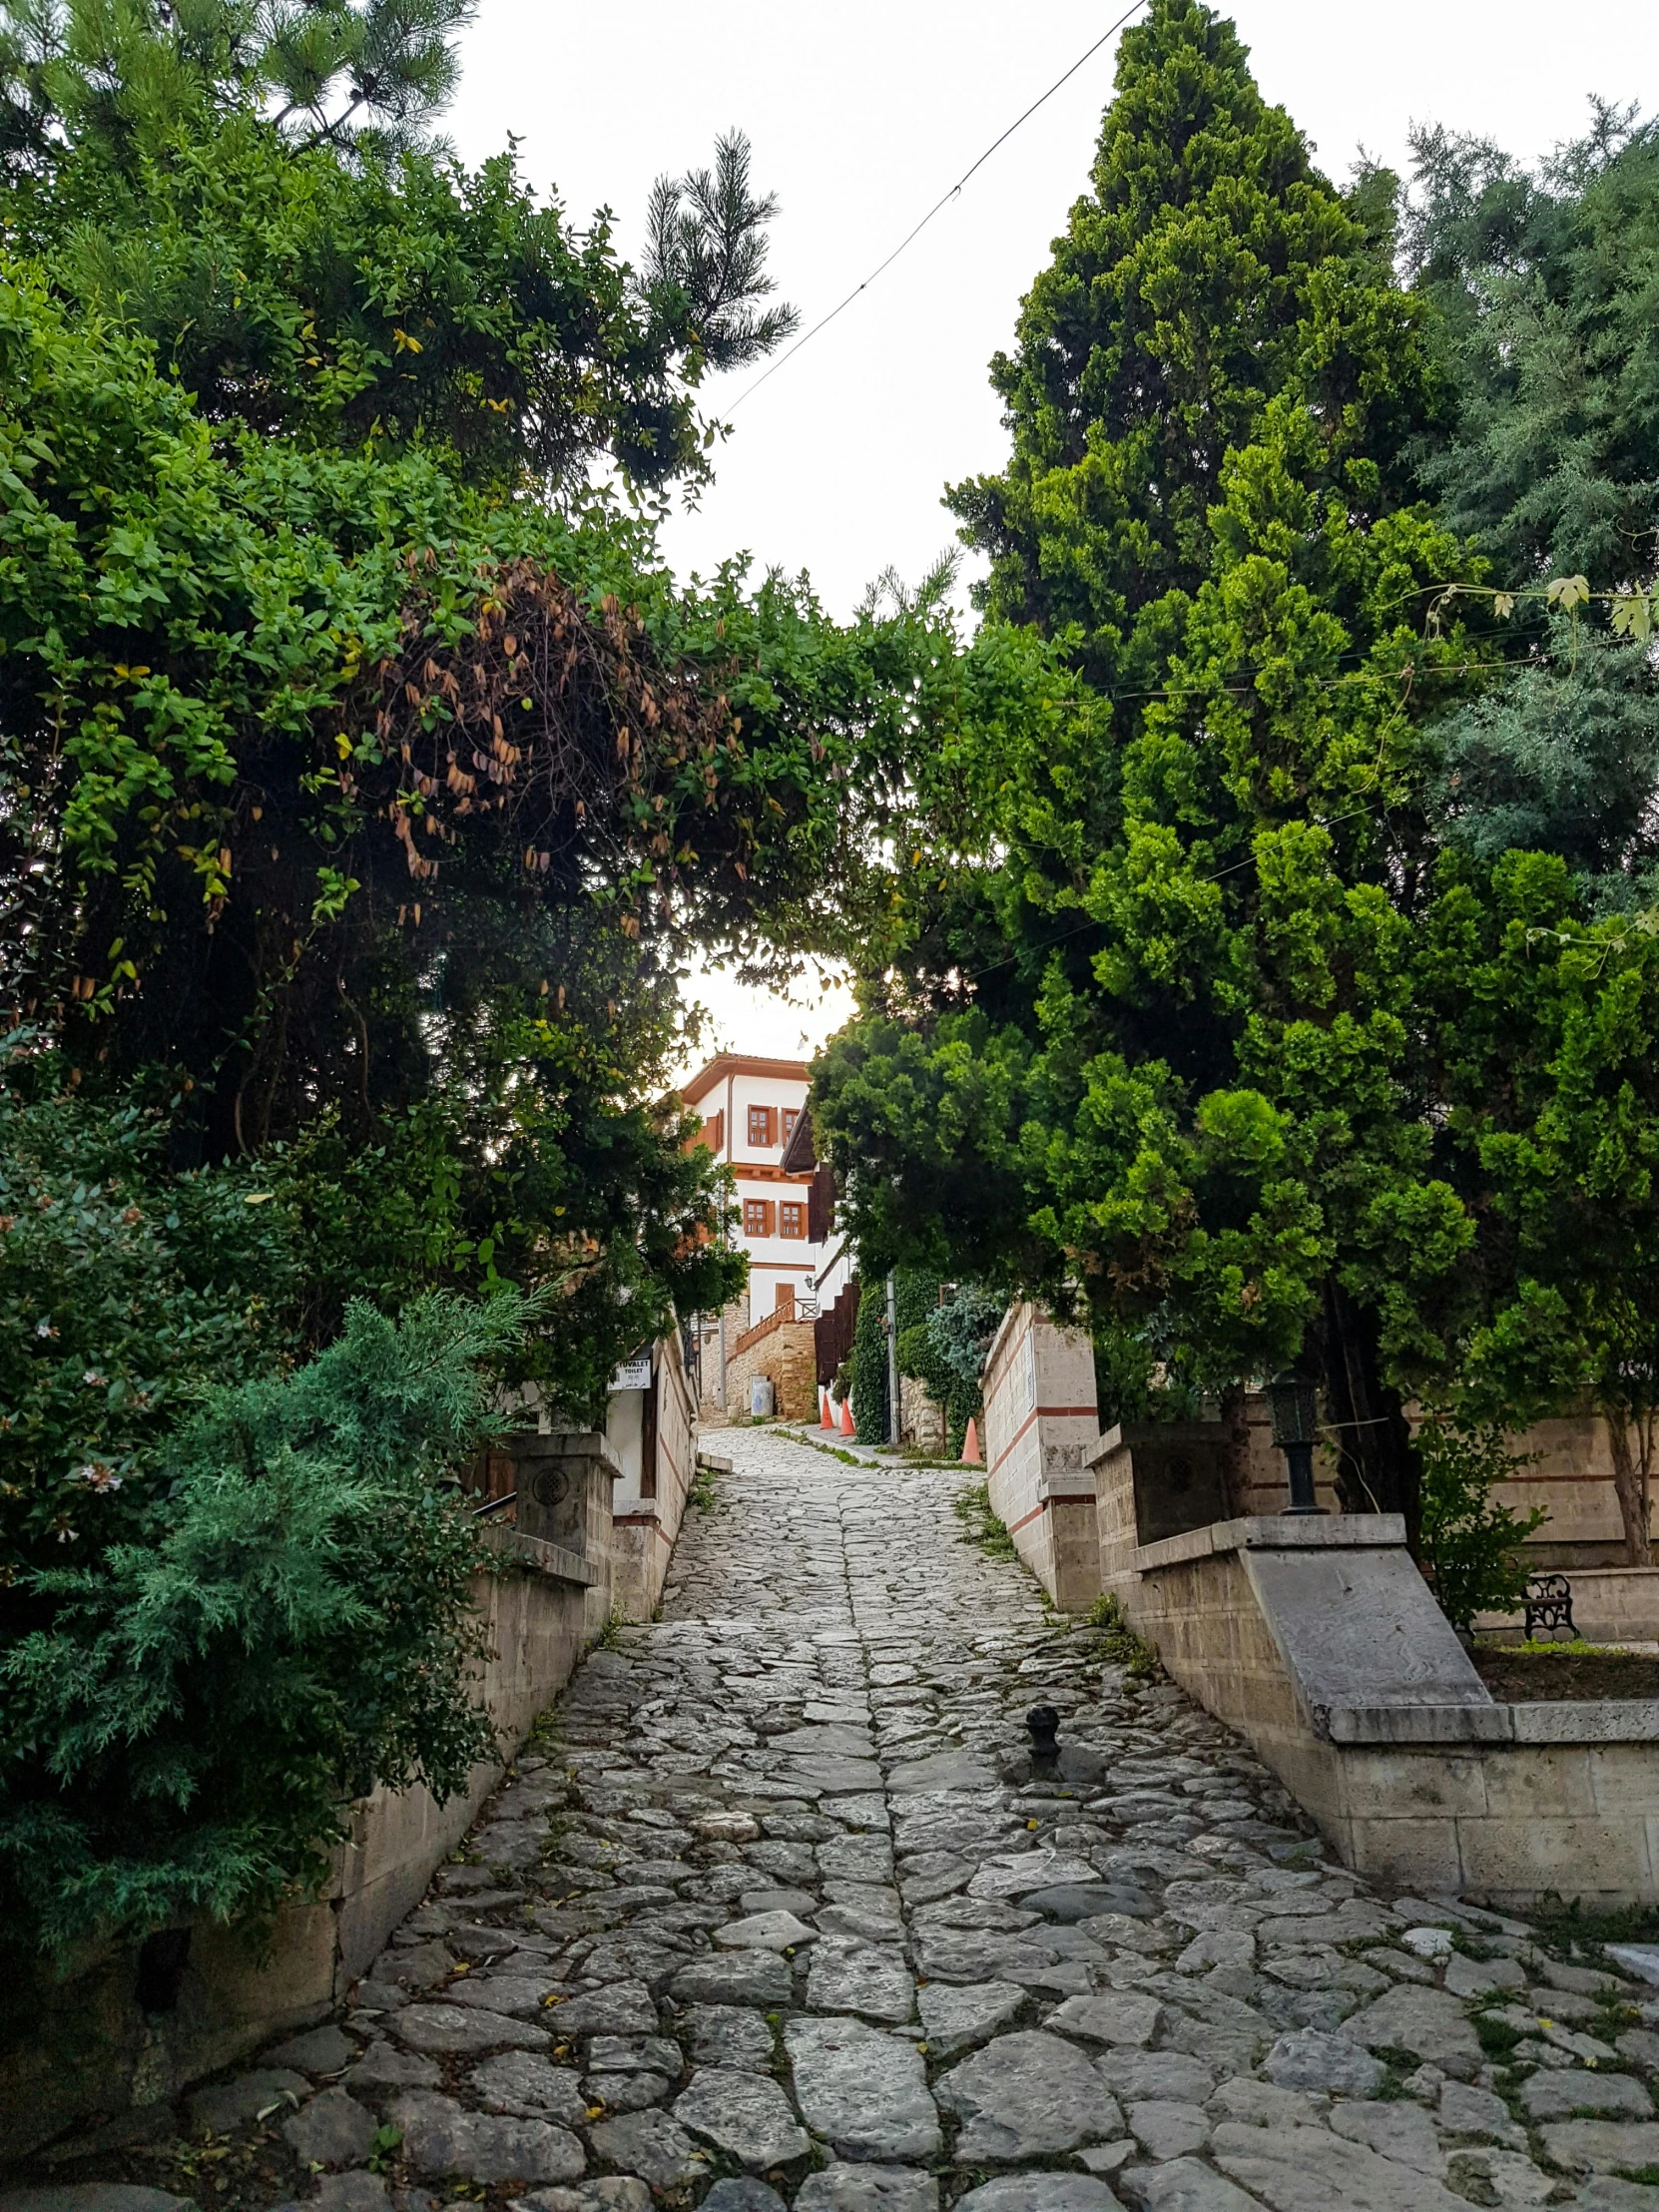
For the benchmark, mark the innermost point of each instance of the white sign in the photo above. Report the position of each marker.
(632, 1374)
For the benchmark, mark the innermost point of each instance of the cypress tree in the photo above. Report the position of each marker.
(1194, 1086)
(1208, 269)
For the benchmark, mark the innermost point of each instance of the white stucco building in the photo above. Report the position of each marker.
(750, 1109)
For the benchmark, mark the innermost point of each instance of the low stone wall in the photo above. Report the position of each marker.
(922, 1421)
(1611, 1605)
(76, 2048)
(1041, 1424)
(784, 1350)
(1571, 1476)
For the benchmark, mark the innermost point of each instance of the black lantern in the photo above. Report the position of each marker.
(1295, 1404)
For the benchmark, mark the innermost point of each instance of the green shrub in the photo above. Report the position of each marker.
(125, 1289)
(944, 1348)
(982, 1525)
(869, 1362)
(917, 1304)
(1469, 1541)
(188, 1724)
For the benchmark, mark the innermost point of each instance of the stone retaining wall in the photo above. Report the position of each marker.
(1571, 1476)
(784, 1350)
(75, 2045)
(921, 1421)
(1318, 1640)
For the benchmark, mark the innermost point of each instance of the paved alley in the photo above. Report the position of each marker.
(777, 1913)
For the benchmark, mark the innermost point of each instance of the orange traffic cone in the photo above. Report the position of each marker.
(827, 1417)
(972, 1456)
(848, 1427)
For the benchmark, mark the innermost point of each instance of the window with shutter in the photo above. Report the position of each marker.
(758, 1216)
(792, 1218)
(792, 1115)
(763, 1126)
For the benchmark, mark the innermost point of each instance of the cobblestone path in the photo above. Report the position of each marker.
(777, 1915)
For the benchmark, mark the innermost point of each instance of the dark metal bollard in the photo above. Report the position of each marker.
(1044, 1724)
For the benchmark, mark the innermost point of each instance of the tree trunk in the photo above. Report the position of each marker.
(1235, 1464)
(1376, 1470)
(1630, 1445)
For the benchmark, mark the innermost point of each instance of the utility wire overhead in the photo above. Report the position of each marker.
(944, 201)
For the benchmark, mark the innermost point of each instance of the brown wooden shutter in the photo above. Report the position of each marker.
(833, 1333)
(820, 1206)
(647, 1431)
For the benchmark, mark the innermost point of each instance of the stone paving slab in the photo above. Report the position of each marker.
(773, 1914)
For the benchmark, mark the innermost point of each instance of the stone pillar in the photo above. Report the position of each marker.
(650, 1503)
(1112, 1463)
(564, 1481)
(1040, 1427)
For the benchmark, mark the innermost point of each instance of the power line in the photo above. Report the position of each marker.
(911, 236)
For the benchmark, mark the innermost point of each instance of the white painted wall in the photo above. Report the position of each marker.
(625, 1427)
(776, 1259)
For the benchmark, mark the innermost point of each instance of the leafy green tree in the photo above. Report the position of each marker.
(125, 1289)
(1544, 289)
(1562, 756)
(1208, 267)
(400, 301)
(1543, 285)
(1144, 1044)
(366, 782)
(1545, 1038)
(123, 74)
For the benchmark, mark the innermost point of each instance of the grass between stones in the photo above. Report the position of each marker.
(1118, 1645)
(831, 1451)
(980, 1525)
(1497, 2039)
(1576, 1930)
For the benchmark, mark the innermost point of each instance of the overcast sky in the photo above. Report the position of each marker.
(861, 115)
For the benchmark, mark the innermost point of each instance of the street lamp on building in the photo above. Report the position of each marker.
(1295, 1402)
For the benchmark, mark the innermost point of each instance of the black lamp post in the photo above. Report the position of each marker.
(1295, 1404)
